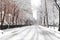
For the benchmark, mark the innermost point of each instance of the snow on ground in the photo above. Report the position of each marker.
(34, 32)
(1, 33)
(53, 30)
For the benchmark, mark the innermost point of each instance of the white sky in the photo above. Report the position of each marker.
(35, 4)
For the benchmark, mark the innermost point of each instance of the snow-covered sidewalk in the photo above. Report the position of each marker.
(52, 30)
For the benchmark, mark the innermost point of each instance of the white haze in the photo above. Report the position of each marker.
(35, 4)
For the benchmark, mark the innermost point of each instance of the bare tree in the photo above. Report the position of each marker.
(57, 6)
(46, 15)
(3, 14)
(13, 13)
(17, 16)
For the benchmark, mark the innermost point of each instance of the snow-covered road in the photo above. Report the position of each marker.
(34, 32)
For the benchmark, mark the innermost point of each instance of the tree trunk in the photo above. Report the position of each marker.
(16, 18)
(57, 6)
(46, 15)
(13, 15)
(59, 19)
(40, 20)
(3, 16)
(44, 20)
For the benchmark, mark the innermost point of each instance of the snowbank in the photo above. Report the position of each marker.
(1, 33)
(57, 33)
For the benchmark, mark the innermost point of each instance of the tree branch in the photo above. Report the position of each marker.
(57, 6)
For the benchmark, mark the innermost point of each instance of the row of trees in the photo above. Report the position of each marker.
(8, 9)
(49, 13)
(11, 14)
(58, 8)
